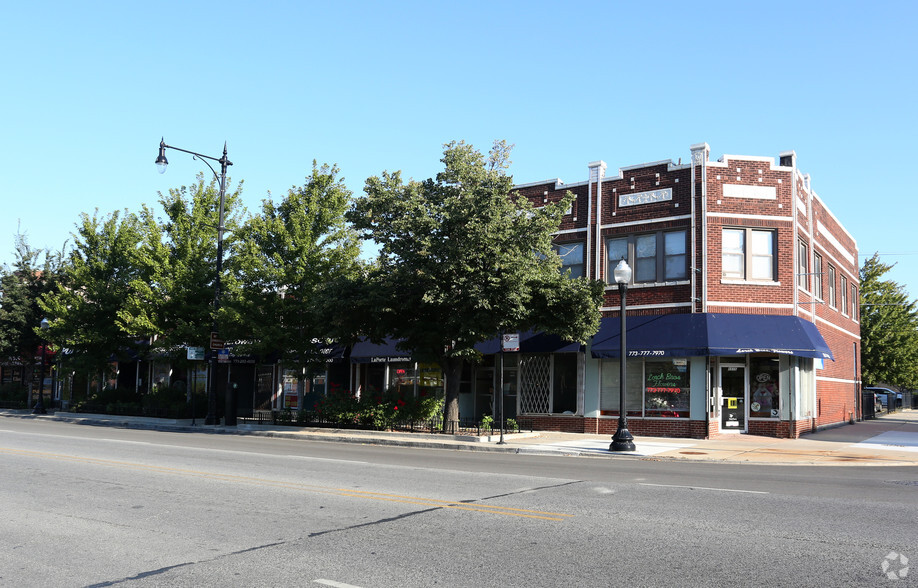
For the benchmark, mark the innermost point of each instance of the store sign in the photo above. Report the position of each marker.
(663, 390)
(646, 353)
(645, 197)
(216, 342)
(757, 350)
(291, 401)
(386, 359)
(510, 342)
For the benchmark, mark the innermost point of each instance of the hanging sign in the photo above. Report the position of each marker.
(510, 342)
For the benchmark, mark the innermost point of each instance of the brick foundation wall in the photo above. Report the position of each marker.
(675, 428)
(780, 429)
(680, 428)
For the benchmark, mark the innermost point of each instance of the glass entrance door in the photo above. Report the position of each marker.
(733, 398)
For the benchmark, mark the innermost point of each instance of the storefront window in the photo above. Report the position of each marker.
(430, 379)
(198, 378)
(402, 378)
(564, 395)
(373, 378)
(666, 388)
(291, 399)
(634, 388)
(318, 384)
(657, 389)
(763, 382)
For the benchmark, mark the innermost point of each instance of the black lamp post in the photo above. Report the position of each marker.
(161, 163)
(40, 405)
(622, 440)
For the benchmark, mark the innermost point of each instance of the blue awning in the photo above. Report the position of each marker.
(366, 351)
(708, 334)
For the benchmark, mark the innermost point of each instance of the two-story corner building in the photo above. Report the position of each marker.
(742, 310)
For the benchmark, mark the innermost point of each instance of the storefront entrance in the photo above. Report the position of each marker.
(733, 398)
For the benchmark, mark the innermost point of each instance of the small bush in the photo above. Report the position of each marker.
(379, 411)
(14, 392)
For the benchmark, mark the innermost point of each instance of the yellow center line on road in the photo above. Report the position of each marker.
(455, 504)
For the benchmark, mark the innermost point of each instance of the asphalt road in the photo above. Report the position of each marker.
(93, 506)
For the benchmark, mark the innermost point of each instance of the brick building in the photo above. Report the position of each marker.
(742, 310)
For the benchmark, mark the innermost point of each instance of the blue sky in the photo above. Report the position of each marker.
(89, 88)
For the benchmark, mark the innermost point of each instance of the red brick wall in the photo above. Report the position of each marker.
(836, 386)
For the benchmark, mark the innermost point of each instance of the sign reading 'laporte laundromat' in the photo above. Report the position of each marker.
(645, 197)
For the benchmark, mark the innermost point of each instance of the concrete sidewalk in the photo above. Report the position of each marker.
(891, 439)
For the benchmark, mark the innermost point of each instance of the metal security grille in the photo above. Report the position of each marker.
(535, 384)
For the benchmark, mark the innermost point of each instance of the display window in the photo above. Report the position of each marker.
(763, 387)
(654, 388)
(402, 378)
(666, 388)
(291, 398)
(430, 379)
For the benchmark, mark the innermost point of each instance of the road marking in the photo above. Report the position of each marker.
(333, 583)
(187, 447)
(705, 488)
(451, 504)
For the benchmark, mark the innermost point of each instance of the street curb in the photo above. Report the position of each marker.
(437, 441)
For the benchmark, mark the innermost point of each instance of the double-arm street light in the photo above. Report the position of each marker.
(161, 163)
(622, 440)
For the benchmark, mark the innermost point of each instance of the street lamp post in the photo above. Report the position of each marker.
(161, 163)
(40, 405)
(622, 440)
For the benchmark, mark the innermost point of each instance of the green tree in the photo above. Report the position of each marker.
(172, 297)
(462, 259)
(889, 329)
(34, 273)
(286, 256)
(95, 284)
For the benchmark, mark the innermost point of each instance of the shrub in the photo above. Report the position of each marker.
(14, 392)
(339, 406)
(380, 410)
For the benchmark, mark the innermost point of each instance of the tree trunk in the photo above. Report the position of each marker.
(453, 374)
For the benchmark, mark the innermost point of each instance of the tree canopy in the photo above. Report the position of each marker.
(95, 284)
(34, 273)
(172, 297)
(285, 257)
(889, 329)
(462, 259)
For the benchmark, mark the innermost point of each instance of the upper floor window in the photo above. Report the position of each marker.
(843, 290)
(817, 276)
(803, 265)
(571, 255)
(749, 254)
(831, 280)
(855, 306)
(655, 257)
